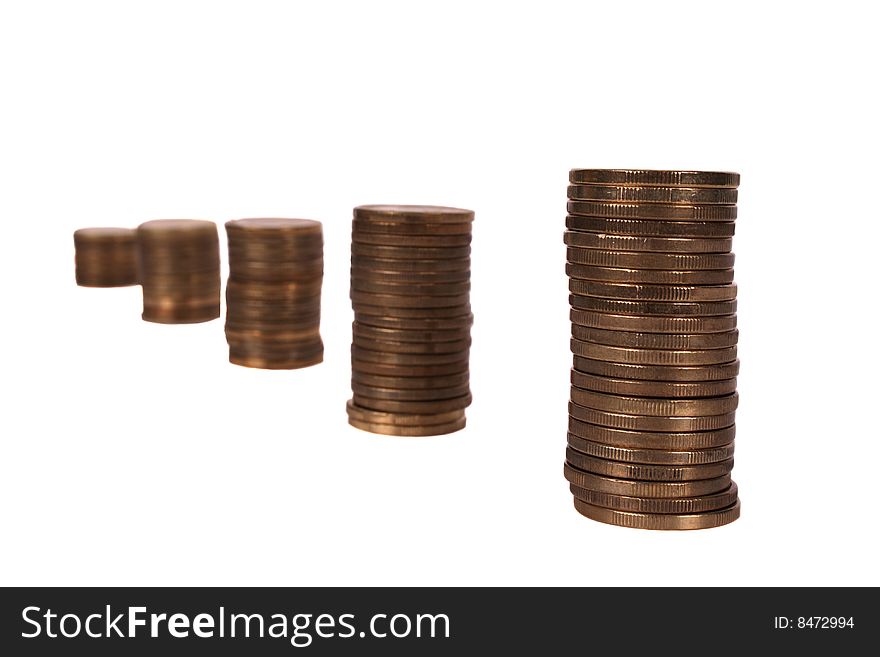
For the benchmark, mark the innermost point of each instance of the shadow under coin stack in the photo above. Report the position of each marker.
(105, 257)
(410, 290)
(179, 270)
(653, 303)
(273, 295)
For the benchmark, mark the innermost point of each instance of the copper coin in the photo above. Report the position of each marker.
(659, 521)
(395, 347)
(679, 341)
(653, 178)
(410, 253)
(650, 456)
(275, 345)
(652, 356)
(395, 430)
(407, 370)
(369, 416)
(650, 422)
(362, 310)
(105, 257)
(649, 308)
(411, 382)
(408, 214)
(404, 277)
(411, 265)
(434, 406)
(274, 226)
(699, 504)
(270, 336)
(263, 363)
(653, 324)
(704, 229)
(647, 472)
(247, 322)
(410, 228)
(670, 440)
(410, 289)
(281, 291)
(633, 243)
(172, 314)
(410, 335)
(411, 394)
(401, 301)
(634, 488)
(185, 299)
(676, 373)
(188, 230)
(655, 407)
(650, 276)
(649, 260)
(657, 211)
(239, 312)
(637, 388)
(674, 195)
(390, 239)
(388, 358)
(462, 321)
(677, 293)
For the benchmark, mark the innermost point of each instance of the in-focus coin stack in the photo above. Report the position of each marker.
(179, 270)
(410, 290)
(654, 338)
(273, 295)
(105, 257)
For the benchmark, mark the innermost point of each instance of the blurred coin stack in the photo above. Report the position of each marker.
(410, 290)
(273, 295)
(105, 257)
(653, 303)
(179, 270)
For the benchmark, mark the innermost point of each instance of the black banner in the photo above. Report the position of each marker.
(335, 621)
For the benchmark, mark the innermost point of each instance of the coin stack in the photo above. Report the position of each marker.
(653, 303)
(179, 270)
(105, 257)
(273, 295)
(410, 290)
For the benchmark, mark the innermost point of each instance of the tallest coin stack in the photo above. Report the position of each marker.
(653, 312)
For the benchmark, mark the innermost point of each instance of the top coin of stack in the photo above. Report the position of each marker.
(105, 257)
(653, 396)
(273, 296)
(179, 270)
(410, 290)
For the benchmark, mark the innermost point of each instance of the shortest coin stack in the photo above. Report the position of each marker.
(179, 270)
(273, 296)
(654, 339)
(105, 257)
(410, 290)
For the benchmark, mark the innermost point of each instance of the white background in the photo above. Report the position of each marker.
(134, 454)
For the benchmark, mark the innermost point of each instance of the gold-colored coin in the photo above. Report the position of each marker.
(650, 456)
(653, 324)
(637, 388)
(677, 341)
(653, 178)
(670, 440)
(662, 308)
(653, 211)
(661, 521)
(368, 416)
(404, 301)
(635, 488)
(679, 505)
(649, 260)
(675, 293)
(413, 407)
(649, 422)
(409, 253)
(647, 472)
(410, 214)
(673, 195)
(649, 276)
(638, 244)
(691, 229)
(652, 356)
(677, 373)
(410, 394)
(656, 407)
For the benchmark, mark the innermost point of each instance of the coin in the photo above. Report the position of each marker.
(412, 407)
(654, 177)
(408, 214)
(283, 335)
(174, 313)
(391, 239)
(669, 440)
(653, 324)
(388, 358)
(410, 335)
(677, 373)
(673, 195)
(410, 228)
(634, 243)
(675, 293)
(663, 308)
(652, 356)
(656, 211)
(404, 277)
(411, 382)
(396, 347)
(274, 363)
(410, 394)
(678, 341)
(691, 229)
(105, 257)
(463, 320)
(647, 472)
(649, 260)
(655, 407)
(397, 430)
(422, 303)
(662, 521)
(679, 505)
(410, 264)
(407, 369)
(368, 416)
(292, 291)
(648, 422)
(636, 388)
(461, 311)
(634, 488)
(652, 456)
(650, 276)
(410, 289)
(410, 253)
